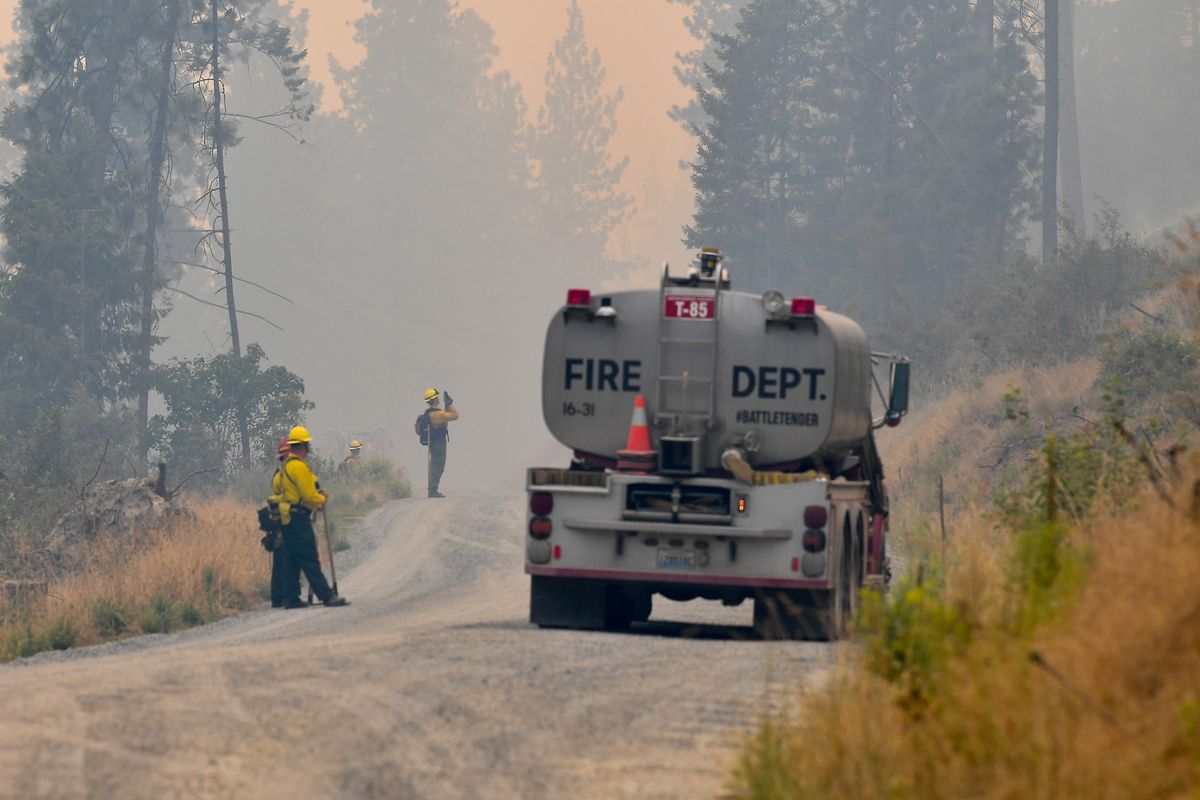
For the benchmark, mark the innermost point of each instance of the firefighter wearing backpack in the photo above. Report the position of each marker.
(432, 428)
(300, 498)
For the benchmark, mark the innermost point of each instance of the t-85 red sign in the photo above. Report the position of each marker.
(686, 306)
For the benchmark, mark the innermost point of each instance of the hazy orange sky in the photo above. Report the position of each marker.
(637, 40)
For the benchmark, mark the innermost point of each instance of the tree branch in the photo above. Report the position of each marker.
(223, 308)
(240, 280)
(171, 494)
(1154, 317)
(103, 456)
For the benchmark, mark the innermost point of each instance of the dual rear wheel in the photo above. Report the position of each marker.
(814, 615)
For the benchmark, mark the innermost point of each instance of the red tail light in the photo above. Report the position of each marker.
(815, 516)
(579, 297)
(803, 307)
(795, 564)
(557, 552)
(814, 541)
(541, 503)
(541, 527)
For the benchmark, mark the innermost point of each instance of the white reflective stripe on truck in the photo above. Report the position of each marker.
(670, 528)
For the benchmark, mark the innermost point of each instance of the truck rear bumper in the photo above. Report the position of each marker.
(668, 577)
(673, 528)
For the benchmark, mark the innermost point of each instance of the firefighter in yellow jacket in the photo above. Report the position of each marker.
(437, 435)
(352, 462)
(296, 484)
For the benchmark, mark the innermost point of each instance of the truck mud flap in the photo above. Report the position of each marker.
(567, 603)
(584, 604)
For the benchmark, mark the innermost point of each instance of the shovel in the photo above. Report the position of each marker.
(329, 548)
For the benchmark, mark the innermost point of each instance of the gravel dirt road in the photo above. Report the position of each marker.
(431, 685)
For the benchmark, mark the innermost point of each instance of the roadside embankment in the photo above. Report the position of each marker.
(203, 565)
(1046, 642)
(1054, 661)
(186, 573)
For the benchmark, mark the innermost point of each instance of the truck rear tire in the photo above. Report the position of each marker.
(618, 609)
(814, 616)
(623, 607)
(643, 605)
(797, 615)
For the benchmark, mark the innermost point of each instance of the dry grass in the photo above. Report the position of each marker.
(966, 438)
(1108, 708)
(193, 572)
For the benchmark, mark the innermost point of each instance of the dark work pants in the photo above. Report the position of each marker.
(437, 464)
(300, 555)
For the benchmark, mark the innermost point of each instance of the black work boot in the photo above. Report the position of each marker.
(435, 493)
(336, 600)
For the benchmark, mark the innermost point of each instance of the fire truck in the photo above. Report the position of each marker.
(724, 449)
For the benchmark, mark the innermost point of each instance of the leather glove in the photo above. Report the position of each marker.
(449, 399)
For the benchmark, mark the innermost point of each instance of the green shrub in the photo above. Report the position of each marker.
(190, 616)
(911, 635)
(62, 635)
(764, 769)
(1045, 573)
(1100, 467)
(108, 618)
(20, 644)
(158, 615)
(1157, 371)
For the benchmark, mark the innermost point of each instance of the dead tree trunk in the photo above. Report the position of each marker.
(158, 149)
(1069, 157)
(986, 15)
(1050, 135)
(226, 244)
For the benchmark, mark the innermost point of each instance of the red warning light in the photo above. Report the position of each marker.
(579, 297)
(803, 307)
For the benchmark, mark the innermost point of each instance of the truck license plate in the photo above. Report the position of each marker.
(676, 559)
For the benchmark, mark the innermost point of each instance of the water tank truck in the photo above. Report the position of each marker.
(724, 448)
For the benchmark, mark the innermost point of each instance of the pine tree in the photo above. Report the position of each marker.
(577, 178)
(706, 20)
(68, 302)
(879, 151)
(768, 152)
(112, 105)
(441, 129)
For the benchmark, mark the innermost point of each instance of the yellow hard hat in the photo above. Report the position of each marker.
(431, 394)
(299, 435)
(355, 444)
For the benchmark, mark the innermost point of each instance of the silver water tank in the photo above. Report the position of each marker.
(799, 386)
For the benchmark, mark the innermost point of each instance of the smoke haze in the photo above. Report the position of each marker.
(408, 268)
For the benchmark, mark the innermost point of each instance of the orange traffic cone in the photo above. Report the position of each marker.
(639, 455)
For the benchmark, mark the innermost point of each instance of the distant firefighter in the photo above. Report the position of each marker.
(433, 431)
(353, 461)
